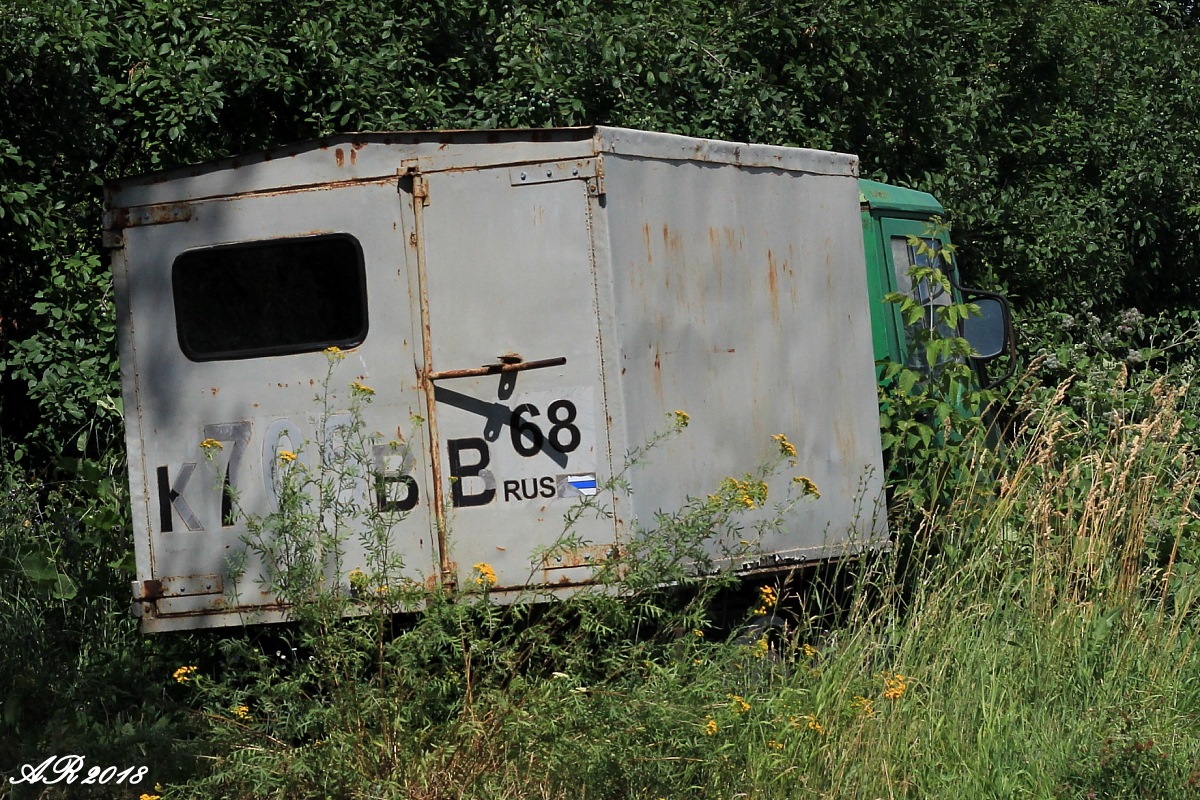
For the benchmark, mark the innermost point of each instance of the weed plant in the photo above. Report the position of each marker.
(1034, 638)
(1031, 634)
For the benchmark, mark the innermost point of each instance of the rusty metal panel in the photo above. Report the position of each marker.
(544, 300)
(739, 296)
(254, 407)
(347, 158)
(511, 285)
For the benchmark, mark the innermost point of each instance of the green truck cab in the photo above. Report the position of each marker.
(893, 218)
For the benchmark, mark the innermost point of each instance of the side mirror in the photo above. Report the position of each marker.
(990, 334)
(985, 333)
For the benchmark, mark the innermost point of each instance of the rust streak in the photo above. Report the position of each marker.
(495, 369)
(671, 240)
(714, 243)
(420, 195)
(773, 284)
(733, 239)
(339, 155)
(658, 382)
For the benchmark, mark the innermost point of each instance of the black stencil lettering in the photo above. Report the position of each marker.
(459, 472)
(170, 495)
(383, 493)
(520, 429)
(562, 413)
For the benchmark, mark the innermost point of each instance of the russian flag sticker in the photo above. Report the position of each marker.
(581, 485)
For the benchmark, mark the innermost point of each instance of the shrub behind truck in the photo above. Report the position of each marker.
(527, 307)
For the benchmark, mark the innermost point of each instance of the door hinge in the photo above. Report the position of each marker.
(420, 185)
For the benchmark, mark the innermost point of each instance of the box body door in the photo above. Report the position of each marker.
(257, 404)
(511, 281)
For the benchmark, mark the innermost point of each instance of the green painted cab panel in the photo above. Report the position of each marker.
(882, 199)
(889, 211)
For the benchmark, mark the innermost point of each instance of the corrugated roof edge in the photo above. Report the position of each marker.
(672, 147)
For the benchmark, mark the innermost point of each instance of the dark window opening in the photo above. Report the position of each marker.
(270, 298)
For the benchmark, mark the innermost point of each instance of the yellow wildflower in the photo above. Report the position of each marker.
(809, 651)
(866, 705)
(241, 712)
(785, 447)
(761, 647)
(149, 797)
(894, 685)
(211, 444)
(334, 353)
(699, 634)
(807, 485)
(711, 727)
(747, 493)
(739, 704)
(682, 418)
(486, 575)
(810, 722)
(286, 456)
(767, 600)
(184, 674)
(361, 389)
(774, 745)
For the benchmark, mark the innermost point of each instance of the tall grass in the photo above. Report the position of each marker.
(1032, 635)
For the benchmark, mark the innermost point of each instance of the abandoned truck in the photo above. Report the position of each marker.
(541, 303)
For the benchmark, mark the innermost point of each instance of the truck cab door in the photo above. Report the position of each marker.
(989, 334)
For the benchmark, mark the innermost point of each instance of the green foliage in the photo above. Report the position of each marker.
(75, 667)
(1045, 650)
(67, 365)
(1061, 135)
(933, 416)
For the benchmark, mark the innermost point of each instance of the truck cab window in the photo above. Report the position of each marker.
(905, 256)
(274, 297)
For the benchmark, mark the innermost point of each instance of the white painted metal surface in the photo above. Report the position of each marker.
(629, 274)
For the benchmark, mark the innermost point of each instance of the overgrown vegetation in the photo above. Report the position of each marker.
(1034, 635)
